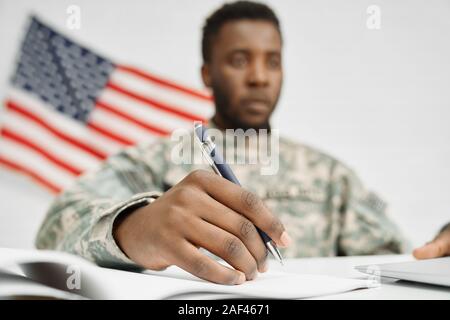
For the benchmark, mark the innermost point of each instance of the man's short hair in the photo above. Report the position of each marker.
(238, 10)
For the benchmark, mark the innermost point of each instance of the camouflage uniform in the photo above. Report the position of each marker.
(323, 205)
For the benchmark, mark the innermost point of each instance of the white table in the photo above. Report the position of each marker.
(344, 267)
(130, 285)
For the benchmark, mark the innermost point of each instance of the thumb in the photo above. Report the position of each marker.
(435, 249)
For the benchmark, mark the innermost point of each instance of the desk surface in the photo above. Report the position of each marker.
(333, 266)
(344, 267)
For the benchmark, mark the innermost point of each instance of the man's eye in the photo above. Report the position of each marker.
(239, 61)
(274, 63)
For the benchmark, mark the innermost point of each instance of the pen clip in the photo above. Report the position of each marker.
(207, 148)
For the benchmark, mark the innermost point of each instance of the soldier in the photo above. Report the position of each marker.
(143, 210)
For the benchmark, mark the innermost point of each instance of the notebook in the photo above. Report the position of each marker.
(432, 271)
(49, 274)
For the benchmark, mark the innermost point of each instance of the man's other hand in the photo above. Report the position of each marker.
(439, 247)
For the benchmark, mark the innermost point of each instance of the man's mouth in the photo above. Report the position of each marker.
(256, 105)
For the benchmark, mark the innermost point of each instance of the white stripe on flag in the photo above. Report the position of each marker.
(119, 126)
(35, 162)
(180, 100)
(63, 123)
(41, 137)
(155, 117)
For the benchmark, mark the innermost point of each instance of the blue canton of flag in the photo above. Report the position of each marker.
(63, 74)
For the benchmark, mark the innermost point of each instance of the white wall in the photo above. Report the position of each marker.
(377, 99)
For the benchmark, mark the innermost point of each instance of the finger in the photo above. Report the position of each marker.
(243, 202)
(435, 249)
(190, 259)
(225, 218)
(225, 245)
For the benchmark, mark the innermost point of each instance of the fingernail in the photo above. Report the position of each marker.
(285, 239)
(254, 275)
(241, 278)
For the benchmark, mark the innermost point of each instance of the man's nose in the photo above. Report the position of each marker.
(257, 75)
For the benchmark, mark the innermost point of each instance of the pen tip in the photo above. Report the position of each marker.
(275, 252)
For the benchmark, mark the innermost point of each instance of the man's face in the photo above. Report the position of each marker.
(245, 73)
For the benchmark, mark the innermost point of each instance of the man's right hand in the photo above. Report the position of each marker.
(208, 211)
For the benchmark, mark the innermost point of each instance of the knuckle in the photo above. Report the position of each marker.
(176, 217)
(200, 268)
(276, 226)
(440, 249)
(184, 195)
(229, 278)
(198, 176)
(250, 200)
(232, 246)
(247, 229)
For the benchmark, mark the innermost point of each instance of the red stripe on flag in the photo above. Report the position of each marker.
(154, 103)
(6, 133)
(12, 106)
(109, 134)
(35, 176)
(165, 83)
(144, 125)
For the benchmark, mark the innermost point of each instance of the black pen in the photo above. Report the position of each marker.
(219, 166)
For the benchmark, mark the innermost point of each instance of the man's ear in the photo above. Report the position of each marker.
(206, 77)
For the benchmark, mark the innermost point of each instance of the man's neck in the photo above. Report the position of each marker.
(219, 123)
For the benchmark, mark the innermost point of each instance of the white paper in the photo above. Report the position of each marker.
(175, 283)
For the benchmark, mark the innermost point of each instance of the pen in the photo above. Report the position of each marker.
(215, 160)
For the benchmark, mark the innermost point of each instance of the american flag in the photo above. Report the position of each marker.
(68, 108)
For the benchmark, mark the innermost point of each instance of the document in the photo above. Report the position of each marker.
(62, 276)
